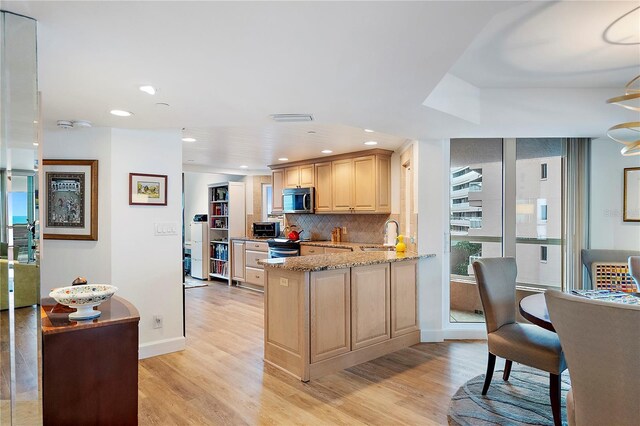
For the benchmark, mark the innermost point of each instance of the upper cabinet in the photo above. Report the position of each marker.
(351, 183)
(299, 176)
(277, 185)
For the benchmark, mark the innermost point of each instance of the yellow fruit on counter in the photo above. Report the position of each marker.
(401, 247)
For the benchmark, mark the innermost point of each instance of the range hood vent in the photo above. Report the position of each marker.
(291, 118)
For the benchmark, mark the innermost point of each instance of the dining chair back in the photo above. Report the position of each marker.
(524, 343)
(601, 342)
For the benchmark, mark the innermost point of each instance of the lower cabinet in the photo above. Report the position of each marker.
(370, 305)
(404, 298)
(330, 314)
(244, 258)
(307, 250)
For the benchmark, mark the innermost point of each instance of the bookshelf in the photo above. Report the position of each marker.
(227, 220)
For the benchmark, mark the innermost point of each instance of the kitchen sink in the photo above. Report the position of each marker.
(378, 248)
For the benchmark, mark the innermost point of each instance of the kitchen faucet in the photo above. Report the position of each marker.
(386, 229)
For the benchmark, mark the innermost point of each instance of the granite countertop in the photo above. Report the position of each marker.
(322, 262)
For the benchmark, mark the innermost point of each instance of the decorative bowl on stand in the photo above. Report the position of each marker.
(83, 298)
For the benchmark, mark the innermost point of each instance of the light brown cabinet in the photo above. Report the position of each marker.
(330, 321)
(318, 322)
(356, 183)
(324, 187)
(330, 250)
(299, 176)
(238, 262)
(306, 250)
(277, 185)
(404, 298)
(370, 305)
(245, 257)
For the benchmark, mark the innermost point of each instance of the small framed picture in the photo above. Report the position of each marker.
(71, 200)
(147, 190)
(631, 203)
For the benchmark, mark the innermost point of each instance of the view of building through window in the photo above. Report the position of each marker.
(476, 215)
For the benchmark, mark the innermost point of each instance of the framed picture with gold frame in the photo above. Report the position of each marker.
(147, 190)
(70, 200)
(631, 203)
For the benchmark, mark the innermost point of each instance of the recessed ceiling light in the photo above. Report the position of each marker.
(244, 167)
(283, 159)
(148, 89)
(188, 139)
(371, 143)
(35, 144)
(326, 151)
(368, 130)
(121, 113)
(35, 121)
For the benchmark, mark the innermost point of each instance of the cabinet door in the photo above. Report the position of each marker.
(251, 258)
(277, 184)
(291, 177)
(342, 177)
(370, 305)
(364, 183)
(310, 250)
(323, 187)
(237, 260)
(383, 178)
(330, 319)
(404, 299)
(306, 176)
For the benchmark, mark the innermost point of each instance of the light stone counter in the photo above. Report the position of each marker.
(323, 262)
(352, 246)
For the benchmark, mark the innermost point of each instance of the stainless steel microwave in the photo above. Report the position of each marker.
(298, 200)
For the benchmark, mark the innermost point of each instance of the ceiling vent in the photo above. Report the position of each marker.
(291, 118)
(65, 124)
(70, 124)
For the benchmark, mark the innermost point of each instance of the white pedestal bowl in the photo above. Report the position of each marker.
(83, 298)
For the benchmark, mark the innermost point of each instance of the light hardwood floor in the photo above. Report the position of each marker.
(221, 379)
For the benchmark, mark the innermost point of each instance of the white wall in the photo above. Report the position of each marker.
(145, 268)
(608, 231)
(195, 194)
(61, 260)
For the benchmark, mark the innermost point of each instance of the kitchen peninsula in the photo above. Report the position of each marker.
(327, 312)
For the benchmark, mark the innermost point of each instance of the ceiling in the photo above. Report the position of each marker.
(224, 67)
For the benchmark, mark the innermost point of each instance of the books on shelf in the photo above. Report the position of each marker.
(220, 209)
(220, 268)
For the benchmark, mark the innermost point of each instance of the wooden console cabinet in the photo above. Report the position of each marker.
(90, 368)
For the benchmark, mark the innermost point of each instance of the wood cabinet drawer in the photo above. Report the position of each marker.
(257, 246)
(329, 250)
(252, 257)
(254, 276)
(309, 250)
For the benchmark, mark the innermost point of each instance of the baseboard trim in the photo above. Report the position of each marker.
(161, 347)
(431, 336)
(462, 334)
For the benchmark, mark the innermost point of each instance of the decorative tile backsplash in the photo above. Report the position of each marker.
(361, 228)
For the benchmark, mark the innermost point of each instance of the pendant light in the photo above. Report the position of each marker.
(627, 133)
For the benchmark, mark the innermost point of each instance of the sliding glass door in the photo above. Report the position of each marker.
(508, 197)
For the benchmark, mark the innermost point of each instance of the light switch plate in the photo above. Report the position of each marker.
(165, 228)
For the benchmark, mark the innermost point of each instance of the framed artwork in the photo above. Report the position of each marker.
(147, 190)
(631, 203)
(71, 200)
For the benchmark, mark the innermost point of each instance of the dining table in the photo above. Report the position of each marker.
(534, 309)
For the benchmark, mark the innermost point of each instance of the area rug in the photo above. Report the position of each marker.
(194, 283)
(523, 400)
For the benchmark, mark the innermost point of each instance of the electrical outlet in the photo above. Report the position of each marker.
(157, 321)
(344, 230)
(284, 282)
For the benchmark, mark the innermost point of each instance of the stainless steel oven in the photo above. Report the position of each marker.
(281, 247)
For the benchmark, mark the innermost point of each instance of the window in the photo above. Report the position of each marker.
(543, 254)
(267, 201)
(543, 212)
(543, 171)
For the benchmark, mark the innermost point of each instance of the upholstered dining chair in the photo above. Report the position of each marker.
(601, 341)
(634, 269)
(527, 344)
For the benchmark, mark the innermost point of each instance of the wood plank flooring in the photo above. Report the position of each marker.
(221, 379)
